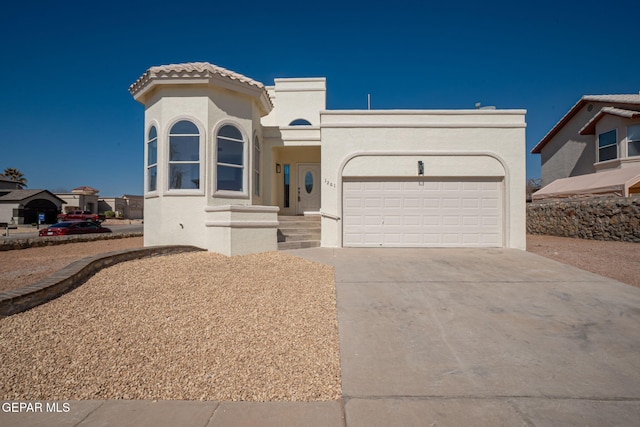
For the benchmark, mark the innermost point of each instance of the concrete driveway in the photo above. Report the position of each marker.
(482, 337)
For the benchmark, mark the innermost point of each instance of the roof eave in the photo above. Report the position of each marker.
(214, 77)
(586, 98)
(554, 130)
(590, 127)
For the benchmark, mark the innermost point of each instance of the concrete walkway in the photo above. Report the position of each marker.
(444, 337)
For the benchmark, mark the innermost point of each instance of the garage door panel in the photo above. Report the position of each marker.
(431, 220)
(470, 220)
(468, 203)
(428, 203)
(372, 238)
(392, 186)
(489, 203)
(411, 202)
(450, 203)
(422, 213)
(489, 221)
(372, 220)
(471, 186)
(411, 220)
(371, 186)
(392, 203)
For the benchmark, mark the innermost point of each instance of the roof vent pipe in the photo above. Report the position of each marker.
(488, 107)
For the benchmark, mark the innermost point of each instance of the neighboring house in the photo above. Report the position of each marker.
(23, 206)
(593, 150)
(7, 183)
(224, 155)
(86, 198)
(127, 206)
(82, 198)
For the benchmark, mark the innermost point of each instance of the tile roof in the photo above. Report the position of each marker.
(85, 189)
(622, 99)
(614, 99)
(590, 127)
(190, 70)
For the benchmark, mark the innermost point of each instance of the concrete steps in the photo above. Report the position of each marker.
(297, 232)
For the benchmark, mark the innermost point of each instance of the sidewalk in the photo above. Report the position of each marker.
(128, 413)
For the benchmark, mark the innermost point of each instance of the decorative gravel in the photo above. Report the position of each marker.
(191, 326)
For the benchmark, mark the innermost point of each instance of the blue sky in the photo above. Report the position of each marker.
(67, 118)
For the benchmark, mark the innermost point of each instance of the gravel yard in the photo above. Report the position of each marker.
(189, 326)
(19, 268)
(616, 260)
(199, 325)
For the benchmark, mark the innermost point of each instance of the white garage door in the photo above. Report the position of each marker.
(410, 213)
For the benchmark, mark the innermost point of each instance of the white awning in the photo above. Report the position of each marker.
(616, 182)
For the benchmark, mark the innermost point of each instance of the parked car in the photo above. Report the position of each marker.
(73, 227)
(80, 216)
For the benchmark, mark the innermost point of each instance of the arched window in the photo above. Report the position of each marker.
(184, 156)
(152, 160)
(256, 166)
(300, 122)
(230, 161)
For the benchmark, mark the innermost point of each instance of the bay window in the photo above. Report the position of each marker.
(230, 159)
(184, 156)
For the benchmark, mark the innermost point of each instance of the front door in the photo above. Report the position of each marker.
(308, 187)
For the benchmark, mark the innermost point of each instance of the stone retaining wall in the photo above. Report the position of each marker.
(21, 299)
(598, 218)
(9, 244)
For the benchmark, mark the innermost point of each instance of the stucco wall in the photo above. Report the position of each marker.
(569, 153)
(178, 216)
(451, 143)
(301, 98)
(6, 212)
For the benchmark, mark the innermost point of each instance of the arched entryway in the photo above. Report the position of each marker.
(37, 206)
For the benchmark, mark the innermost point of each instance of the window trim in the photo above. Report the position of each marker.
(167, 164)
(148, 166)
(244, 194)
(630, 141)
(257, 167)
(615, 143)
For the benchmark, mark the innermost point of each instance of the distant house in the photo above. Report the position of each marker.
(24, 206)
(83, 198)
(225, 155)
(593, 150)
(86, 198)
(7, 183)
(128, 206)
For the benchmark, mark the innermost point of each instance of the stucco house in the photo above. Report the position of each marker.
(86, 198)
(225, 156)
(82, 198)
(7, 183)
(24, 206)
(593, 150)
(127, 206)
